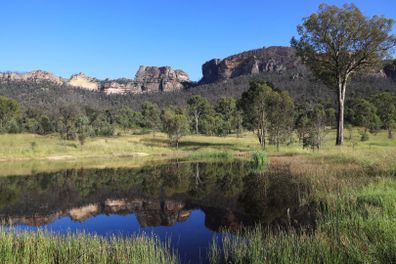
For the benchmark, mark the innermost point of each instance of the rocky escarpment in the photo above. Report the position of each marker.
(83, 81)
(147, 79)
(35, 76)
(272, 59)
(280, 63)
(162, 79)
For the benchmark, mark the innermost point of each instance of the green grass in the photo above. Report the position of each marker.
(259, 159)
(361, 228)
(211, 155)
(43, 248)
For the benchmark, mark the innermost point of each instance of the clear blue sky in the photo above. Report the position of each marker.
(111, 38)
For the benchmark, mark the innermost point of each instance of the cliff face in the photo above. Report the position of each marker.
(148, 79)
(35, 76)
(83, 81)
(272, 59)
(161, 79)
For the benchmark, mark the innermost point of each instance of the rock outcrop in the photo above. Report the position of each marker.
(161, 79)
(148, 79)
(272, 59)
(83, 81)
(35, 76)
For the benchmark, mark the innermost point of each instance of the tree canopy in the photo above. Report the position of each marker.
(339, 42)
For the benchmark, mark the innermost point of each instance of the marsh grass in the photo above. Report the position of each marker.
(356, 221)
(259, 159)
(43, 248)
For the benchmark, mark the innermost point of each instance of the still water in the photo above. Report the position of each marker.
(186, 202)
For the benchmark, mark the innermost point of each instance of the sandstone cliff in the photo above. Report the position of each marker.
(35, 76)
(83, 81)
(161, 79)
(272, 59)
(147, 79)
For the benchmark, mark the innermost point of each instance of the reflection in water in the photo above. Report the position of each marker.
(185, 197)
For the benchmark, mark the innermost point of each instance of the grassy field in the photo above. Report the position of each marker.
(35, 153)
(355, 186)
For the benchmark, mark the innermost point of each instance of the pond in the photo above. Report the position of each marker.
(187, 202)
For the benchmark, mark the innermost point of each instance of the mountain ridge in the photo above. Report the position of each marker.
(274, 59)
(147, 79)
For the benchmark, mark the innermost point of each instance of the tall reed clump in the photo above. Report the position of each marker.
(42, 248)
(259, 159)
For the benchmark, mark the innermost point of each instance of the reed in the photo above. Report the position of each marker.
(43, 248)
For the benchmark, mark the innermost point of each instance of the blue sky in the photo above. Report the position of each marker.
(111, 38)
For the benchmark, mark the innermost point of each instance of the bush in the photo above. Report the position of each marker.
(364, 137)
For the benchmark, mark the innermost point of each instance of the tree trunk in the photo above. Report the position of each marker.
(390, 134)
(196, 123)
(340, 113)
(261, 137)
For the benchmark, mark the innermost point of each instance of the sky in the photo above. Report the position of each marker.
(111, 38)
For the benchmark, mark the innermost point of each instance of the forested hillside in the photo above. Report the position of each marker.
(46, 95)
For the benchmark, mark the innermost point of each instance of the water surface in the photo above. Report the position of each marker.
(186, 202)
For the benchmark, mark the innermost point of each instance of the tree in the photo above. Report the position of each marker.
(197, 108)
(280, 115)
(151, 116)
(227, 109)
(101, 127)
(237, 121)
(45, 125)
(301, 121)
(66, 122)
(364, 114)
(9, 109)
(126, 118)
(175, 124)
(386, 110)
(339, 42)
(83, 129)
(316, 127)
(331, 117)
(254, 105)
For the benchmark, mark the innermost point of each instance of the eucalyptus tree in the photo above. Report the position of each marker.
(198, 107)
(337, 43)
(386, 109)
(267, 112)
(9, 109)
(281, 116)
(254, 105)
(175, 124)
(151, 116)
